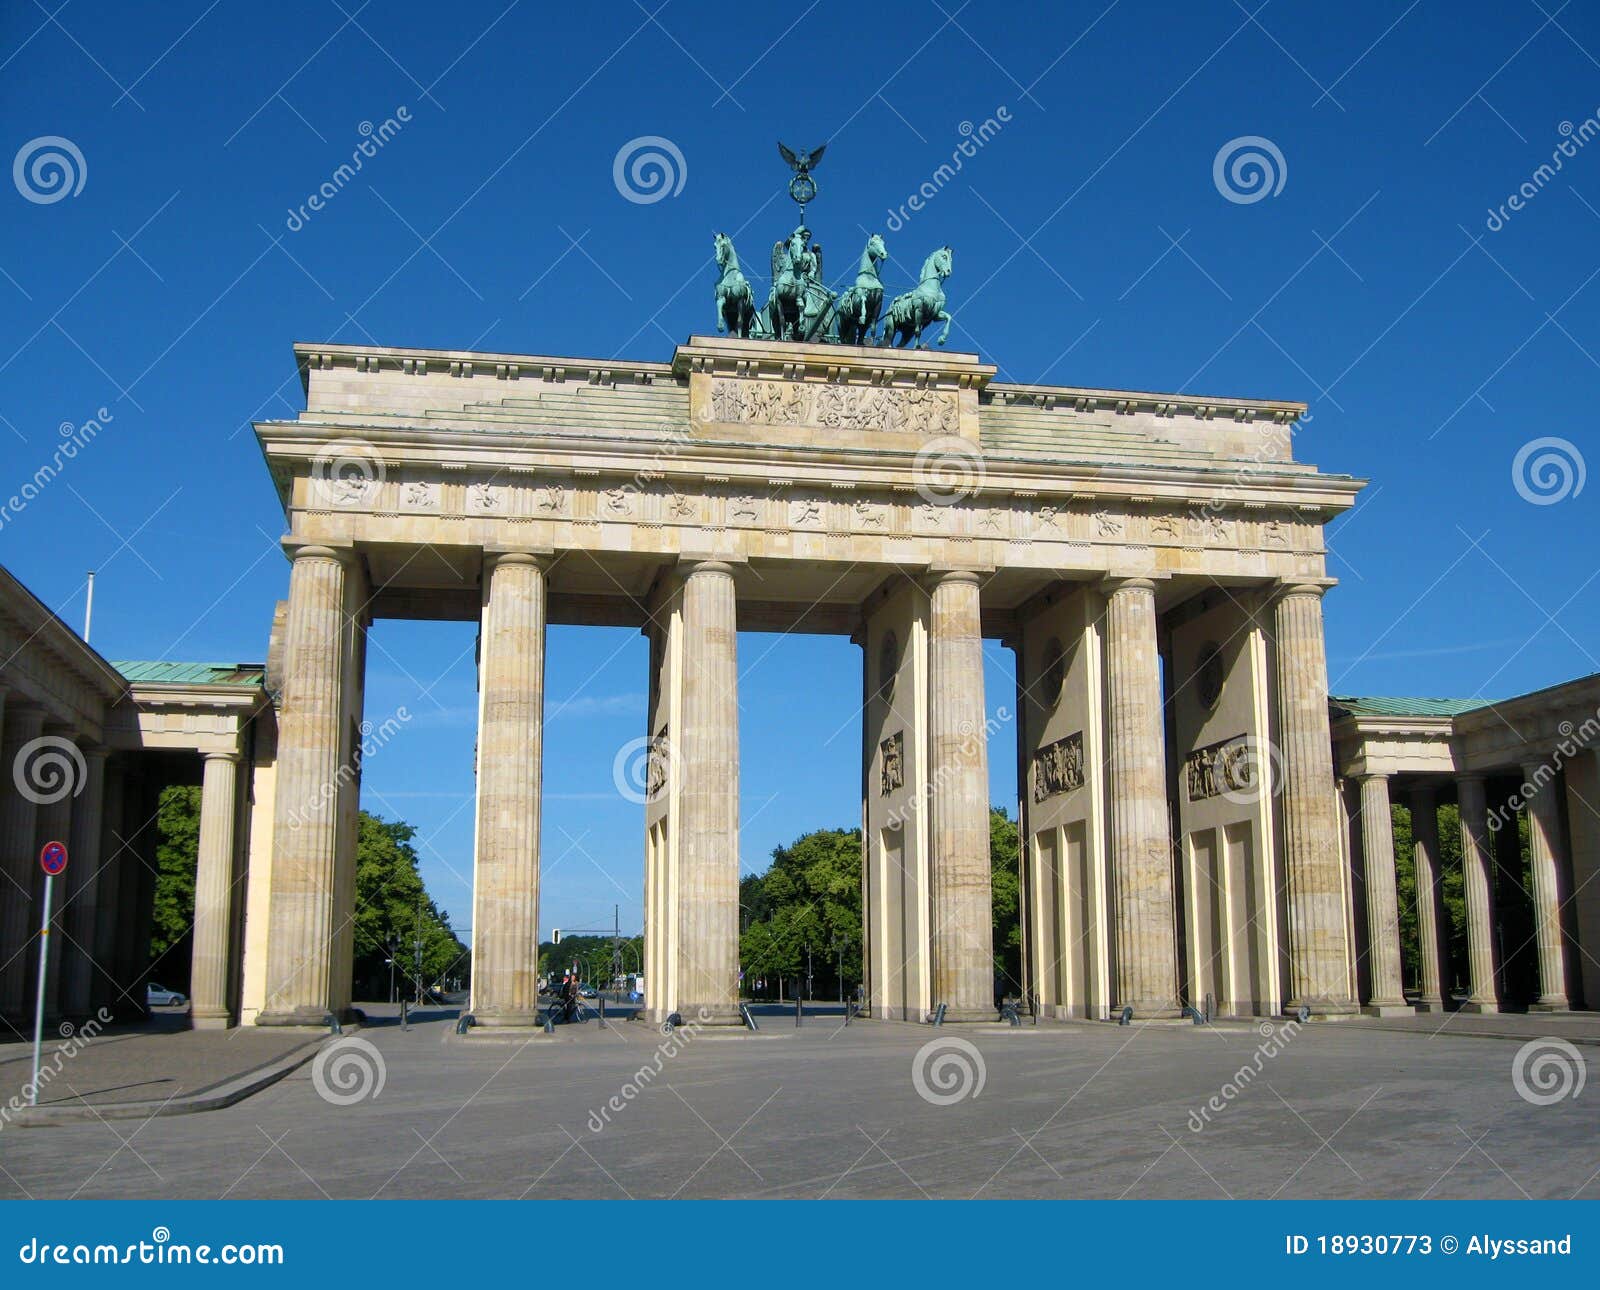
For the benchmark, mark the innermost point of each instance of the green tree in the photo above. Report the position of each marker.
(810, 896)
(391, 904)
(393, 912)
(172, 914)
(1005, 886)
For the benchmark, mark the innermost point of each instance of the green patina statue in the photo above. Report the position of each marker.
(800, 306)
(736, 306)
(922, 306)
(859, 307)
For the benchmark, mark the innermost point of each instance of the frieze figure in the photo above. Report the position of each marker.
(1058, 767)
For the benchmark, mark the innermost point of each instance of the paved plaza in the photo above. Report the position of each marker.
(1360, 1109)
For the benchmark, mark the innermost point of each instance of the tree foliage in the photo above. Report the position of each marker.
(391, 907)
(811, 896)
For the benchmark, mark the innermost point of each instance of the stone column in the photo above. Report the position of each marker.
(1383, 908)
(1545, 849)
(213, 893)
(1477, 880)
(1136, 773)
(963, 921)
(1318, 949)
(106, 985)
(19, 813)
(80, 906)
(1433, 937)
(305, 829)
(705, 755)
(505, 919)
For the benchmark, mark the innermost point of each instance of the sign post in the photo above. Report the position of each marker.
(53, 860)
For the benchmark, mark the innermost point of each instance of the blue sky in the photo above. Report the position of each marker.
(1093, 246)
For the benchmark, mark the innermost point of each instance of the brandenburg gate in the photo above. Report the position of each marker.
(1155, 561)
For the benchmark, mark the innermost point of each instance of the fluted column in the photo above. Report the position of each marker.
(1383, 907)
(1477, 880)
(1136, 774)
(213, 893)
(963, 922)
(105, 985)
(19, 813)
(1433, 940)
(1545, 849)
(505, 918)
(80, 907)
(305, 829)
(1319, 945)
(705, 754)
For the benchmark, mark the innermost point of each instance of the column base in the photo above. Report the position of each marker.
(971, 1014)
(1387, 1010)
(1322, 1009)
(508, 1020)
(1557, 1003)
(1145, 1011)
(1431, 1005)
(1479, 1006)
(305, 1016)
(210, 1020)
(707, 1014)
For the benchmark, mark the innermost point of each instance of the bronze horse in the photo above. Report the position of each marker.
(859, 307)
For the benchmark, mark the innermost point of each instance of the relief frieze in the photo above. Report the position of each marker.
(869, 409)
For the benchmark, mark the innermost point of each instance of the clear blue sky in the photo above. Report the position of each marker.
(1092, 247)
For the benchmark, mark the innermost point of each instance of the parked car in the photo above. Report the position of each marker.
(158, 996)
(587, 992)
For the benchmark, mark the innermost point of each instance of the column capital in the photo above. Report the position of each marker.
(1115, 582)
(298, 549)
(1287, 587)
(233, 755)
(689, 565)
(1367, 776)
(1470, 777)
(538, 556)
(939, 577)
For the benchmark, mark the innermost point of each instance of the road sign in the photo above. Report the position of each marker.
(53, 857)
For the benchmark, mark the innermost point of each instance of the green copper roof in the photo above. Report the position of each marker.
(157, 673)
(1381, 707)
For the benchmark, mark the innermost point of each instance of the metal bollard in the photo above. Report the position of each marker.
(405, 1015)
(938, 1015)
(1127, 1015)
(749, 1017)
(602, 998)
(797, 1010)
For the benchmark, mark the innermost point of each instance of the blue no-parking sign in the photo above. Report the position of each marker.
(53, 857)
